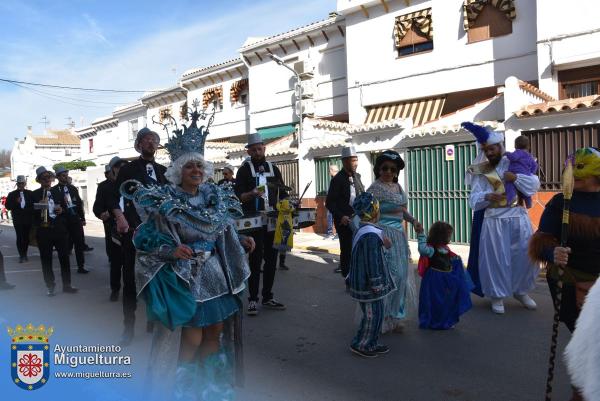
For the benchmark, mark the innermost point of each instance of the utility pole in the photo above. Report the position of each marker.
(46, 122)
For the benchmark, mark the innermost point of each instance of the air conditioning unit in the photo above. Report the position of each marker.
(308, 107)
(305, 89)
(304, 68)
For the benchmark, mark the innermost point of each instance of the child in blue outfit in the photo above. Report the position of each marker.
(445, 288)
(369, 279)
(521, 162)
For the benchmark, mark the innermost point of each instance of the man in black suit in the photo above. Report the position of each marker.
(74, 215)
(147, 171)
(51, 230)
(256, 185)
(344, 187)
(107, 201)
(20, 204)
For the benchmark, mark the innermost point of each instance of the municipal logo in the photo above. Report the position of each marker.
(30, 355)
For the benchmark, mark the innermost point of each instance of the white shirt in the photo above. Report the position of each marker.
(22, 197)
(151, 172)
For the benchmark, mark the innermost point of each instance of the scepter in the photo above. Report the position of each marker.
(568, 183)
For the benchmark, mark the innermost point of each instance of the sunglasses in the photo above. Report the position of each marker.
(385, 169)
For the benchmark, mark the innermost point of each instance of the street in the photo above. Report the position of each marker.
(303, 353)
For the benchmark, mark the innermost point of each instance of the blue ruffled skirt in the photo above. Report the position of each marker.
(444, 296)
(169, 300)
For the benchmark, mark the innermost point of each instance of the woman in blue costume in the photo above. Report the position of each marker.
(190, 269)
(392, 202)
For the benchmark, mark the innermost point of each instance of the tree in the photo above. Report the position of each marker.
(5, 158)
(75, 165)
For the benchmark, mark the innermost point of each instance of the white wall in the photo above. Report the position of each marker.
(232, 120)
(377, 75)
(569, 36)
(272, 86)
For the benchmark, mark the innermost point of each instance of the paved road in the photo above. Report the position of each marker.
(302, 353)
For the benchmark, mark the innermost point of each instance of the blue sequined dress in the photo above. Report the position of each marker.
(402, 301)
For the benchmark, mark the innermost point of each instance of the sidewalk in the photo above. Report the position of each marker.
(317, 243)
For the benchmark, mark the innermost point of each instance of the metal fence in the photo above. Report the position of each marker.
(436, 187)
(322, 177)
(552, 146)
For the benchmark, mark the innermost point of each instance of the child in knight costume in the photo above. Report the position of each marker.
(190, 269)
(369, 279)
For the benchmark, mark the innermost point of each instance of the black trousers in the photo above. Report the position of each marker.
(107, 240)
(263, 251)
(129, 291)
(345, 238)
(56, 237)
(2, 275)
(115, 258)
(76, 235)
(22, 231)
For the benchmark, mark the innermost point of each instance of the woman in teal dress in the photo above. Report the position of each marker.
(191, 267)
(393, 207)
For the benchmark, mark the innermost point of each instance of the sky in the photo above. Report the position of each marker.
(125, 45)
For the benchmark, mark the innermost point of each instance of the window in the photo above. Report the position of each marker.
(490, 23)
(133, 129)
(413, 42)
(413, 33)
(579, 82)
(67, 152)
(91, 145)
(243, 98)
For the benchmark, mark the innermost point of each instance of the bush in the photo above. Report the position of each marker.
(75, 165)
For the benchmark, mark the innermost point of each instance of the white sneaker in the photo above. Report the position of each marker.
(497, 306)
(526, 301)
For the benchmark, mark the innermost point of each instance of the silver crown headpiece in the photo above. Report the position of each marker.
(188, 139)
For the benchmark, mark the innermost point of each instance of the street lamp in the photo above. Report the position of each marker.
(298, 90)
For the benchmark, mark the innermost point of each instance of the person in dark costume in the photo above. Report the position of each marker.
(580, 258)
(107, 201)
(74, 215)
(343, 189)
(147, 171)
(20, 204)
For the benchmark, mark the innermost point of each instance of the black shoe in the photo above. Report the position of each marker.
(114, 296)
(51, 292)
(382, 349)
(88, 249)
(337, 270)
(6, 286)
(272, 304)
(69, 289)
(82, 270)
(21, 259)
(364, 353)
(282, 266)
(252, 311)
(26, 258)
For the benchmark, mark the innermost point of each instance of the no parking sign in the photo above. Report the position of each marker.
(449, 153)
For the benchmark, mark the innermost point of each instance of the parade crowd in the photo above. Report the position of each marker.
(171, 240)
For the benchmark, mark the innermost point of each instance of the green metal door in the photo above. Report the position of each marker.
(322, 177)
(436, 187)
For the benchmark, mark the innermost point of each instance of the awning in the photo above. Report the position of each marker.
(472, 9)
(209, 94)
(421, 111)
(419, 21)
(277, 131)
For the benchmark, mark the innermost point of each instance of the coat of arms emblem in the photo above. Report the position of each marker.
(30, 355)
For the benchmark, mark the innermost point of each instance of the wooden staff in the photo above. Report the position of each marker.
(568, 183)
